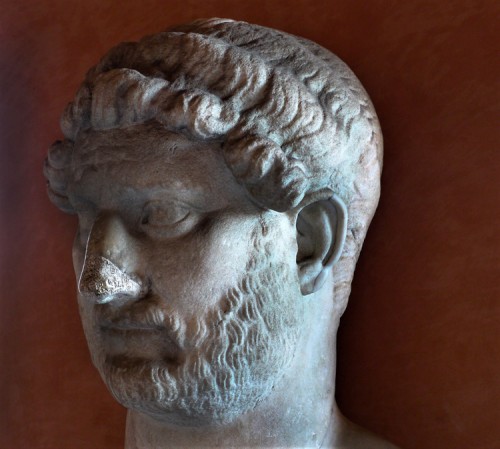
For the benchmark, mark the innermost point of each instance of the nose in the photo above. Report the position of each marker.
(110, 258)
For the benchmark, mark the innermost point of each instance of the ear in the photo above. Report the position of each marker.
(321, 231)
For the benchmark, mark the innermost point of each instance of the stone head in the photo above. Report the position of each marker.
(224, 176)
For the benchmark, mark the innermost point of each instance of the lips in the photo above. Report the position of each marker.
(140, 330)
(130, 319)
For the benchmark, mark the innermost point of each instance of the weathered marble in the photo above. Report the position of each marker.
(224, 176)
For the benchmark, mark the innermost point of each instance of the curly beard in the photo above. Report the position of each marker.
(241, 350)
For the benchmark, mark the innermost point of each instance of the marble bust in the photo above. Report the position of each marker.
(224, 176)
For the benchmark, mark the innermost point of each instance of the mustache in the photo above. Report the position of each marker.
(145, 313)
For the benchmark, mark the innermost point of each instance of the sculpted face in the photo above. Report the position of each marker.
(188, 292)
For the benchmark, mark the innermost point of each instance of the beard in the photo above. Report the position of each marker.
(241, 349)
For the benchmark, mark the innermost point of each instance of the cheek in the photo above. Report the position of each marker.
(194, 273)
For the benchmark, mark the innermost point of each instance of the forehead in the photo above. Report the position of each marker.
(146, 160)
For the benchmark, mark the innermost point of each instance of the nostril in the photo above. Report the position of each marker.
(102, 279)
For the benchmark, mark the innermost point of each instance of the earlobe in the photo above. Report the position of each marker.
(321, 232)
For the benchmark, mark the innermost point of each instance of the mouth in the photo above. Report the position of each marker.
(138, 331)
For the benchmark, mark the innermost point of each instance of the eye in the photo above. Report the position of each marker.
(158, 214)
(166, 218)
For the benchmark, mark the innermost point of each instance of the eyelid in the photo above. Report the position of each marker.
(164, 214)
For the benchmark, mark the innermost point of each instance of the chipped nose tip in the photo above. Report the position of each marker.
(102, 279)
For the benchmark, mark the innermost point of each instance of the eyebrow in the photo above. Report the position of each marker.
(183, 192)
(199, 202)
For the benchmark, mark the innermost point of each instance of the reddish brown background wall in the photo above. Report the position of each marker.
(419, 350)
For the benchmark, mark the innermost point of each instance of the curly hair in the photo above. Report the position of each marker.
(292, 118)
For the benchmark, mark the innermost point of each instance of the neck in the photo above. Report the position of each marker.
(300, 412)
